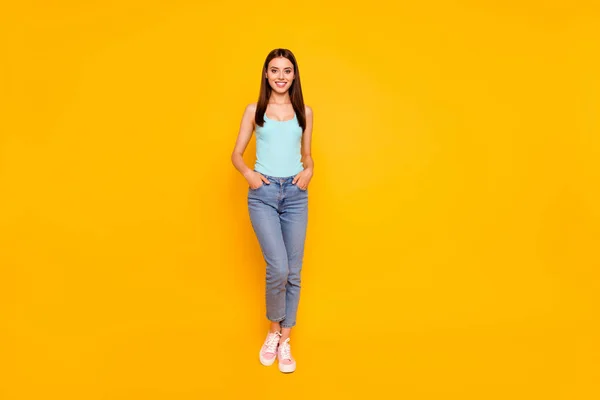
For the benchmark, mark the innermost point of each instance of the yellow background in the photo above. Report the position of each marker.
(454, 222)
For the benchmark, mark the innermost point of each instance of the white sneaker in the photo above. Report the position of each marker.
(268, 351)
(284, 354)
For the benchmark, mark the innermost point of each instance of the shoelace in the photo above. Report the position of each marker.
(272, 340)
(285, 350)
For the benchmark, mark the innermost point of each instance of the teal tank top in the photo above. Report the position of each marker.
(278, 147)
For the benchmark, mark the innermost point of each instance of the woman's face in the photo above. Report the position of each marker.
(280, 74)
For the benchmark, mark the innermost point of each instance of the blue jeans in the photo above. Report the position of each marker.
(279, 215)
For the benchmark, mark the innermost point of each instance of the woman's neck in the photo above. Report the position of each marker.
(278, 98)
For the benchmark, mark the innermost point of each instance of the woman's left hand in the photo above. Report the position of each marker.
(303, 178)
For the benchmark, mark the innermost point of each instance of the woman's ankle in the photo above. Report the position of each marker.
(275, 327)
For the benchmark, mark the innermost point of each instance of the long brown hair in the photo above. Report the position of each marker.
(295, 89)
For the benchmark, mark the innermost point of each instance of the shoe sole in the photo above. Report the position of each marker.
(287, 369)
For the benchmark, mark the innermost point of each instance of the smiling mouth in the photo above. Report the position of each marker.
(281, 84)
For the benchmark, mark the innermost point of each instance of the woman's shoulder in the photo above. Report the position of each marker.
(307, 109)
(250, 111)
(251, 107)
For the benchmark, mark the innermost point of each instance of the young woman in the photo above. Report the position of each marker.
(278, 193)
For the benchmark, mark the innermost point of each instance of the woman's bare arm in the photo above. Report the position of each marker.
(307, 160)
(243, 138)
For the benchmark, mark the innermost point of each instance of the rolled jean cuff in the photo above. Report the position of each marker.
(276, 319)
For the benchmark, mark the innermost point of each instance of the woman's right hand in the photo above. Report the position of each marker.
(256, 180)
